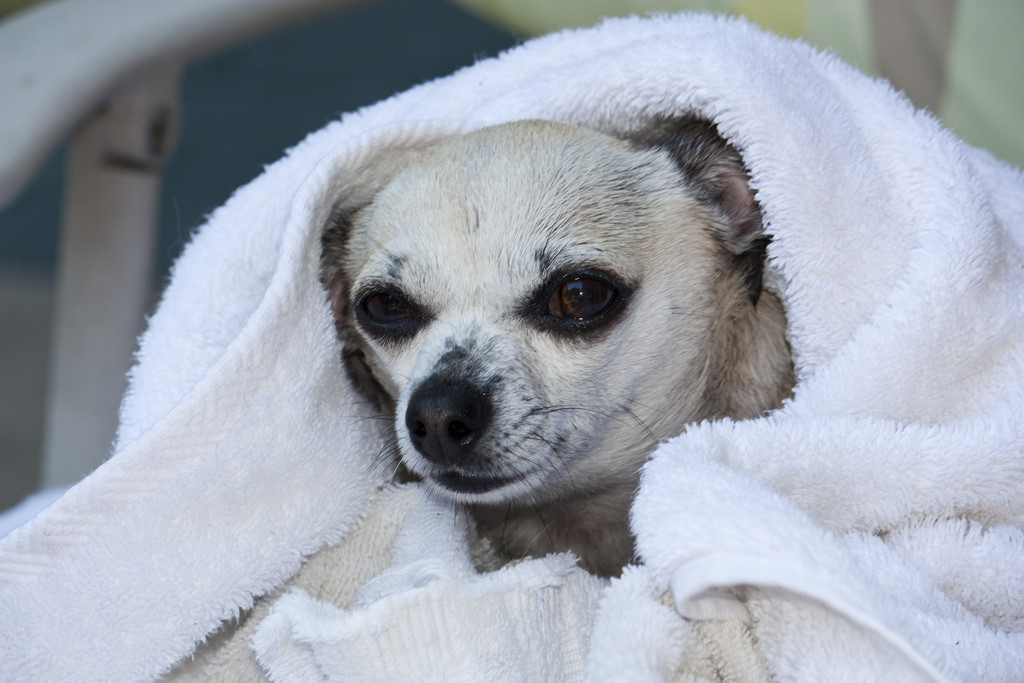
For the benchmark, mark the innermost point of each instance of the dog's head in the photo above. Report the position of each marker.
(540, 304)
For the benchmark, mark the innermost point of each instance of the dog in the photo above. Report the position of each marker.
(537, 306)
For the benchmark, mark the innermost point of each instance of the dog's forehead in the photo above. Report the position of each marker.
(507, 206)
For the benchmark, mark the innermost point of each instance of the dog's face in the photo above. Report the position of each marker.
(541, 305)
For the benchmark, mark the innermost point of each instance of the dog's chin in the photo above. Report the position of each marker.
(462, 484)
(480, 488)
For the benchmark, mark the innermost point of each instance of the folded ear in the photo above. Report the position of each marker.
(333, 260)
(713, 170)
(333, 257)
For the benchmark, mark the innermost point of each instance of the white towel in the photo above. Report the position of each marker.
(871, 528)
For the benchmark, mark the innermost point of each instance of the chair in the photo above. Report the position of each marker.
(106, 72)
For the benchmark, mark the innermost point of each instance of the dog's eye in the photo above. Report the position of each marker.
(387, 316)
(578, 304)
(385, 308)
(581, 298)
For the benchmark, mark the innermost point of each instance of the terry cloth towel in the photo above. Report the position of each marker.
(872, 528)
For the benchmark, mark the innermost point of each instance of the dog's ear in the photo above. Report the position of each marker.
(714, 172)
(333, 256)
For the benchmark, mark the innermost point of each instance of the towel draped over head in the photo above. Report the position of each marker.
(873, 527)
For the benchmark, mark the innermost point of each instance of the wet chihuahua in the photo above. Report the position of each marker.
(539, 305)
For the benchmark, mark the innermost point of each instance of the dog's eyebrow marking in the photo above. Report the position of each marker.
(543, 259)
(547, 256)
(552, 259)
(395, 264)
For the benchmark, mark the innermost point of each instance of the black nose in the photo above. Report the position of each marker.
(445, 420)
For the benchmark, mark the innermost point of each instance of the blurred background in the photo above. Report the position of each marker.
(240, 102)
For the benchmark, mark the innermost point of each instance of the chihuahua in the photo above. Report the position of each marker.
(536, 306)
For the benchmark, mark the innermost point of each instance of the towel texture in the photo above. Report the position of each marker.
(871, 528)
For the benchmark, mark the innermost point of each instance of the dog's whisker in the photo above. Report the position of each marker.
(388, 457)
(510, 514)
(362, 403)
(556, 452)
(383, 417)
(691, 314)
(605, 415)
(641, 424)
(545, 527)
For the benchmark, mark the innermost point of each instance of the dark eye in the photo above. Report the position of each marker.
(385, 309)
(387, 315)
(581, 298)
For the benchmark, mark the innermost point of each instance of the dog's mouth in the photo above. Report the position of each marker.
(456, 482)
